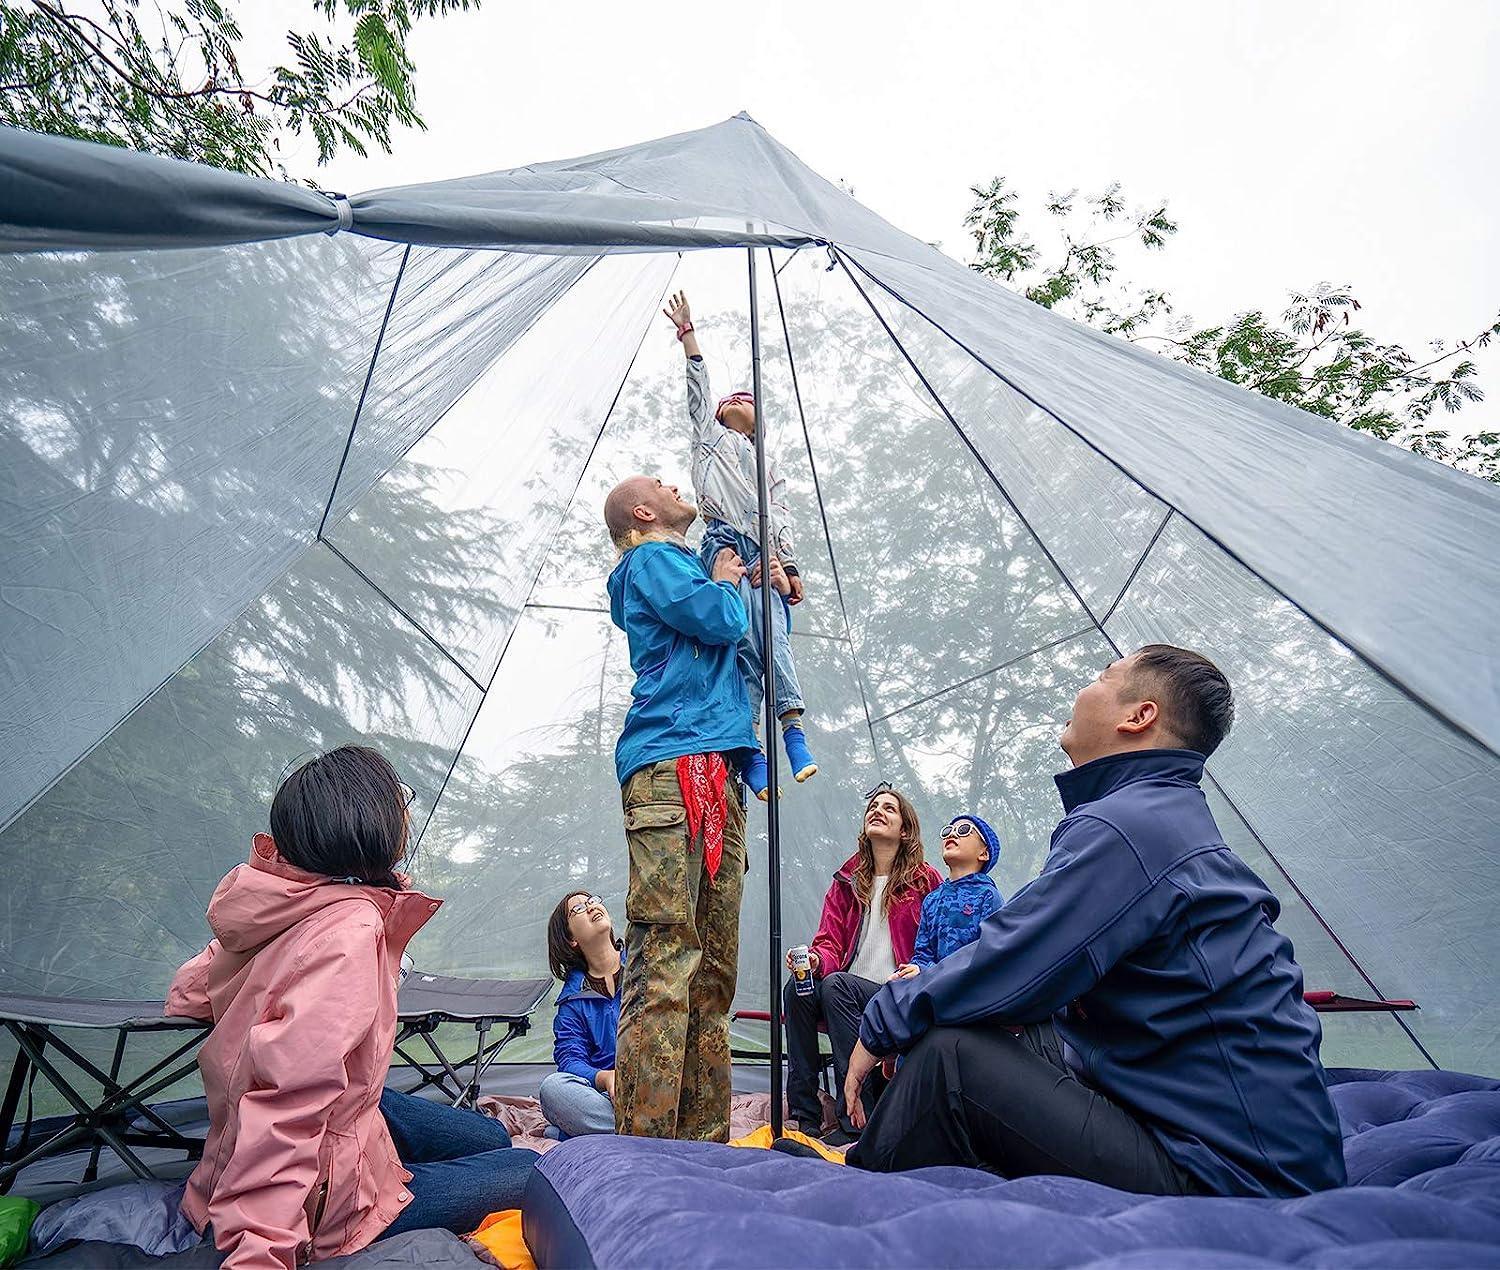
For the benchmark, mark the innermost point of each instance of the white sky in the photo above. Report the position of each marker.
(1295, 142)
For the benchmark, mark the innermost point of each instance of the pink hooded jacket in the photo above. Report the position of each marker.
(300, 983)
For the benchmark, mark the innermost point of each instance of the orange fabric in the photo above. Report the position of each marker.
(762, 1138)
(500, 1233)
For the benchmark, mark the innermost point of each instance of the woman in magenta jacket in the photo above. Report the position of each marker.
(868, 928)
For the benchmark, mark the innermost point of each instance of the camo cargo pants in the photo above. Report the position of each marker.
(672, 1075)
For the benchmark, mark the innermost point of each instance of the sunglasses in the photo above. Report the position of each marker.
(583, 906)
(408, 794)
(745, 397)
(957, 830)
(885, 787)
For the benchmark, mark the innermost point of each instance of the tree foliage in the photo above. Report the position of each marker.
(1315, 355)
(168, 77)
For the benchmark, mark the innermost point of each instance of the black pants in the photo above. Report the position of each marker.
(838, 1000)
(986, 1098)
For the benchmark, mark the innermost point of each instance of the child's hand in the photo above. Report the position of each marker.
(907, 971)
(780, 583)
(677, 310)
(728, 567)
(795, 582)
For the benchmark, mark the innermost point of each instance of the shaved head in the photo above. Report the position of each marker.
(639, 504)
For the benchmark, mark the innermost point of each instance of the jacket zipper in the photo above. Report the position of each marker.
(312, 1230)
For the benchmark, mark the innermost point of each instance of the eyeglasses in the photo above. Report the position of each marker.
(583, 906)
(885, 787)
(408, 794)
(957, 830)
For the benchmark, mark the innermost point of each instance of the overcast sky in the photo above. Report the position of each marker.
(1295, 142)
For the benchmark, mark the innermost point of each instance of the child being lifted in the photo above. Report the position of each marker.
(725, 484)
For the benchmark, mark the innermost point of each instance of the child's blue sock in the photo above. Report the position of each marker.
(794, 741)
(756, 775)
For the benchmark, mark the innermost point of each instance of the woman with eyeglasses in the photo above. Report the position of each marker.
(868, 929)
(308, 1155)
(585, 954)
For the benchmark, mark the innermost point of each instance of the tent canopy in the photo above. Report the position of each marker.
(282, 470)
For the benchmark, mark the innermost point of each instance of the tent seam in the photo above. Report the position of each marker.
(1365, 657)
(542, 563)
(390, 306)
(812, 463)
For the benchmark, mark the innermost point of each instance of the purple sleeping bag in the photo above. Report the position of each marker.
(1422, 1148)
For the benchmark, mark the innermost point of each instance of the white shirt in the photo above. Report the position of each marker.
(724, 480)
(874, 960)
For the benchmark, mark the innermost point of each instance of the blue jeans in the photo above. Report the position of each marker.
(576, 1106)
(716, 537)
(462, 1164)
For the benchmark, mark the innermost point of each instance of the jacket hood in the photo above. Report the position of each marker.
(621, 571)
(266, 897)
(574, 986)
(991, 838)
(1093, 780)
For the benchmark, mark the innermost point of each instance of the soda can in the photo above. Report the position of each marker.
(406, 968)
(802, 970)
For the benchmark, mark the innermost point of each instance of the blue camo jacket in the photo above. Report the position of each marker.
(951, 916)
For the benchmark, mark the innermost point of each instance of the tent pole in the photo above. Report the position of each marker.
(769, 717)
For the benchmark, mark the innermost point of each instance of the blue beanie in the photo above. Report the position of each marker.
(991, 838)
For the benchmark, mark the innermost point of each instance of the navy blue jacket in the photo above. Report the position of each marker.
(584, 1027)
(1185, 1005)
(684, 631)
(951, 916)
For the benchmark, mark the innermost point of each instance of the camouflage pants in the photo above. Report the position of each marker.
(672, 1075)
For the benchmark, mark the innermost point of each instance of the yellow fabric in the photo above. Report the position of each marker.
(500, 1233)
(762, 1138)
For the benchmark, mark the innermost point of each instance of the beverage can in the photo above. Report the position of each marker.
(406, 967)
(802, 969)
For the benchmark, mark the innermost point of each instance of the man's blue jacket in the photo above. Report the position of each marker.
(1183, 1003)
(684, 631)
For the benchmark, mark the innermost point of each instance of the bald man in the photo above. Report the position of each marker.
(684, 738)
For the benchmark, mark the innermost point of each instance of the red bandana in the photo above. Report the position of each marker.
(702, 778)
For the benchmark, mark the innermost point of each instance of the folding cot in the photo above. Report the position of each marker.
(119, 1114)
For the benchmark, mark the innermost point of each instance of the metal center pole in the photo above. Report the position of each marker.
(769, 718)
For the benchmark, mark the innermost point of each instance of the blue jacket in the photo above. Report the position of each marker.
(1184, 1003)
(584, 1027)
(683, 629)
(951, 916)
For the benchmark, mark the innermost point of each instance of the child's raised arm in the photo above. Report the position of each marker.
(681, 316)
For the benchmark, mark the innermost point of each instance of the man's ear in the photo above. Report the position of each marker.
(1140, 719)
(643, 514)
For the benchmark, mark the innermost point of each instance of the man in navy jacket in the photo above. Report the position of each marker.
(1131, 1016)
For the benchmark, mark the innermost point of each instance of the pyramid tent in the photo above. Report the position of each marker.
(283, 470)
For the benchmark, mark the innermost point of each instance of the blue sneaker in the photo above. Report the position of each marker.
(756, 775)
(794, 741)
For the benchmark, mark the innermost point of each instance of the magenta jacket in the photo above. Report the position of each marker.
(839, 928)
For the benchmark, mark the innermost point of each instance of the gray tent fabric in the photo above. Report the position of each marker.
(268, 489)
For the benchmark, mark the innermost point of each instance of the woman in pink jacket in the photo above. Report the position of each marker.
(868, 928)
(305, 1150)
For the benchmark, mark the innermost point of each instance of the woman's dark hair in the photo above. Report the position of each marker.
(563, 955)
(343, 814)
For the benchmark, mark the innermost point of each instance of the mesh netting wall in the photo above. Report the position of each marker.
(450, 422)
